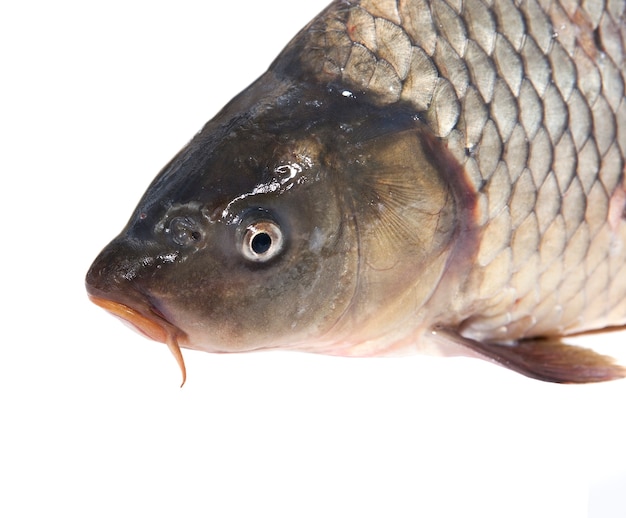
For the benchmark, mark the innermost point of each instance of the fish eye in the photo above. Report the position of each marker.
(262, 241)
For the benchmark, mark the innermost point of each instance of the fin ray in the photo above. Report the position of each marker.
(546, 359)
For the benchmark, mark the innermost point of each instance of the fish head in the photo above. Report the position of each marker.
(240, 242)
(294, 217)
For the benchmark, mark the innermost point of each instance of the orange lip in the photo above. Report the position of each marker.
(153, 328)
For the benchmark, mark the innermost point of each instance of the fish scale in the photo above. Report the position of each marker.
(517, 82)
(456, 183)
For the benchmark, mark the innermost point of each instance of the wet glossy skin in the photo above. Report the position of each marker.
(181, 256)
(404, 177)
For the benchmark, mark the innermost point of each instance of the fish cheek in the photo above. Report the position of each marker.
(298, 298)
(225, 303)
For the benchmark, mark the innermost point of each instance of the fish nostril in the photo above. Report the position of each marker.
(183, 230)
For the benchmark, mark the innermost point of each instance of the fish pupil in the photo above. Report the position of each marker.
(261, 243)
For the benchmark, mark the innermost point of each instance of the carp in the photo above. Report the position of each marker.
(441, 176)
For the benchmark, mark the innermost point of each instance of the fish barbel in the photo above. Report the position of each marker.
(443, 176)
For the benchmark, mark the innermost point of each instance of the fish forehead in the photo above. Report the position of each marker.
(265, 145)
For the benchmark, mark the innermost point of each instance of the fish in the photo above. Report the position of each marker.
(434, 176)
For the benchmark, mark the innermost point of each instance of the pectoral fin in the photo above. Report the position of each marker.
(546, 359)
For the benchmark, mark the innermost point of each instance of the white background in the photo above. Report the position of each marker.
(95, 99)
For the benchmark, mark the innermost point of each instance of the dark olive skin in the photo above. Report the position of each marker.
(302, 160)
(394, 183)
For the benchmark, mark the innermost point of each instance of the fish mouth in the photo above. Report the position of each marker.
(151, 325)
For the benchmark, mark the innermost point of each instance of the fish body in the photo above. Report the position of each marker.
(428, 175)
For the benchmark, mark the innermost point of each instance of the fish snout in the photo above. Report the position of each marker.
(113, 283)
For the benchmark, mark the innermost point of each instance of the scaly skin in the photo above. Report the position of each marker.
(426, 175)
(529, 101)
